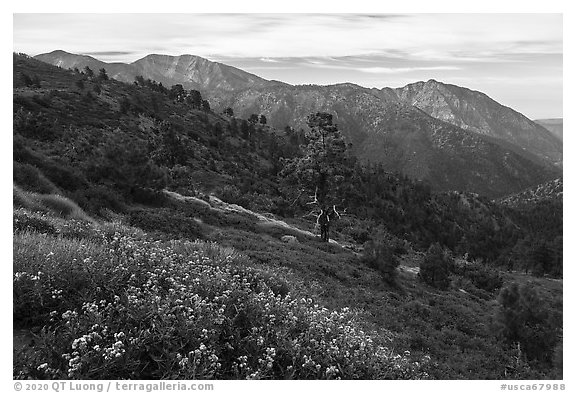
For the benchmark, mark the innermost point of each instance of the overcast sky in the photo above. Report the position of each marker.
(514, 58)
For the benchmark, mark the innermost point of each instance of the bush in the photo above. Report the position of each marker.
(435, 267)
(50, 203)
(31, 178)
(524, 317)
(21, 198)
(98, 198)
(166, 221)
(359, 230)
(380, 256)
(149, 197)
(231, 194)
(26, 221)
(33, 125)
(483, 277)
(61, 175)
(62, 206)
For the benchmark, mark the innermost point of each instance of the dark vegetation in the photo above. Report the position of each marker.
(88, 148)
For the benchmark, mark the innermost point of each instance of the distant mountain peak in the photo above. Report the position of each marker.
(477, 112)
(193, 72)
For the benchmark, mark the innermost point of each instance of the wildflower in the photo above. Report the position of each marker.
(119, 336)
(331, 371)
(183, 362)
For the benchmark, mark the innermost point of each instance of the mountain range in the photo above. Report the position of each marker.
(454, 137)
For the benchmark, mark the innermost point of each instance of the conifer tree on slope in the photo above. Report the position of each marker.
(321, 171)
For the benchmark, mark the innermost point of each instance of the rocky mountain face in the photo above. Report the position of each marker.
(453, 137)
(555, 126)
(400, 136)
(196, 72)
(552, 190)
(475, 111)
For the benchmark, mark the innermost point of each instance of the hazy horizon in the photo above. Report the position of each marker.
(517, 60)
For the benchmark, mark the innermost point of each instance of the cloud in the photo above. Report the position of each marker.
(398, 70)
(432, 36)
(107, 53)
(269, 68)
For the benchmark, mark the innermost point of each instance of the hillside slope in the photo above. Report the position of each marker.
(108, 145)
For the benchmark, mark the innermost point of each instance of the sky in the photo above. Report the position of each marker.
(514, 58)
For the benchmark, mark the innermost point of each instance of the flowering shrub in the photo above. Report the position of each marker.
(25, 220)
(125, 307)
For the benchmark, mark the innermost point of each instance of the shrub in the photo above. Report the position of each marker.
(26, 221)
(62, 175)
(21, 198)
(359, 230)
(96, 199)
(483, 277)
(33, 125)
(524, 317)
(52, 203)
(62, 206)
(149, 197)
(31, 178)
(231, 194)
(166, 221)
(380, 256)
(435, 268)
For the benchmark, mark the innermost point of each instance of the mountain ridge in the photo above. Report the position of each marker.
(476, 111)
(381, 124)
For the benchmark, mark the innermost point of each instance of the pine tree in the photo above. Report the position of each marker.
(380, 256)
(435, 268)
(88, 71)
(322, 169)
(525, 318)
(102, 74)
